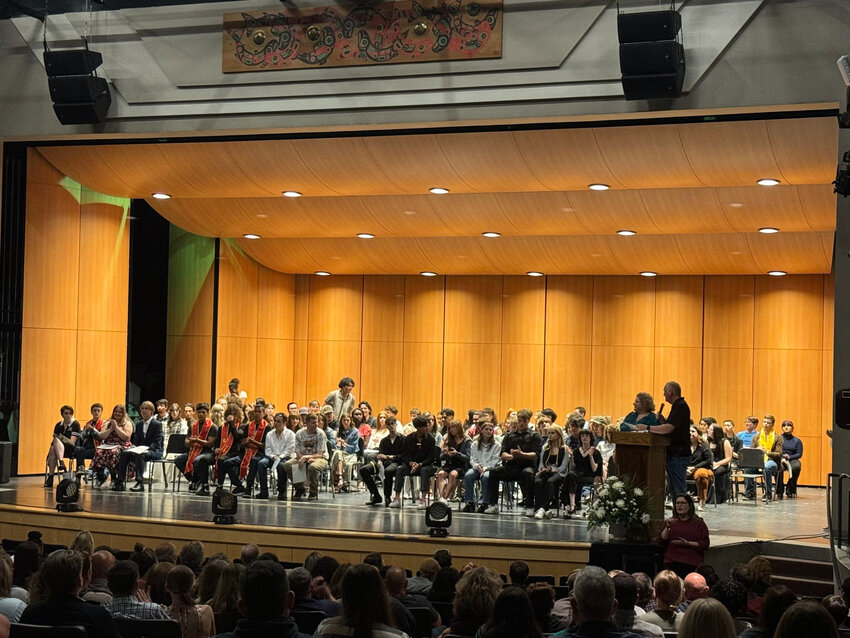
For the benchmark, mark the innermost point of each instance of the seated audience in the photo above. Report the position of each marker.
(443, 588)
(192, 556)
(196, 621)
(265, 601)
(477, 591)
(732, 595)
(593, 602)
(761, 572)
(837, 608)
(443, 558)
(806, 618)
(512, 616)
(518, 573)
(366, 609)
(11, 608)
(707, 617)
(129, 598)
(59, 583)
(300, 582)
(208, 579)
(646, 593)
(542, 599)
(424, 579)
(27, 563)
(396, 583)
(166, 552)
(155, 583)
(777, 599)
(668, 592)
(695, 588)
(624, 617)
(98, 590)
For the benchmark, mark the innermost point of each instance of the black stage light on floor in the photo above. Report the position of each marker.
(79, 96)
(438, 517)
(224, 507)
(67, 495)
(652, 58)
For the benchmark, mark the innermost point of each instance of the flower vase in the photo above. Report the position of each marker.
(597, 534)
(618, 532)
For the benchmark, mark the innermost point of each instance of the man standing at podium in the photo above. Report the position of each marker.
(677, 424)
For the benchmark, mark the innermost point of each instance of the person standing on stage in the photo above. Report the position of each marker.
(342, 400)
(677, 424)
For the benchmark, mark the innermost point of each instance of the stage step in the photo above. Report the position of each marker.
(805, 586)
(800, 568)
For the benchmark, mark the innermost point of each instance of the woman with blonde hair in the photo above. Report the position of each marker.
(550, 472)
(83, 542)
(196, 621)
(707, 617)
(217, 414)
(455, 453)
(475, 595)
(370, 452)
(668, 594)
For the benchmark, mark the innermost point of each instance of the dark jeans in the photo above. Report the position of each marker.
(138, 461)
(790, 487)
(545, 488)
(676, 468)
(229, 467)
(425, 473)
(83, 453)
(368, 472)
(574, 484)
(524, 476)
(721, 483)
(259, 464)
(200, 469)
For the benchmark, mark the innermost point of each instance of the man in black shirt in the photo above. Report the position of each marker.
(677, 424)
(520, 457)
(418, 456)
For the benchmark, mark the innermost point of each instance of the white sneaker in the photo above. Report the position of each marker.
(395, 504)
(422, 504)
(539, 514)
(493, 509)
(529, 511)
(549, 514)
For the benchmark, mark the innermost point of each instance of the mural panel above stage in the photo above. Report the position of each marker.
(386, 33)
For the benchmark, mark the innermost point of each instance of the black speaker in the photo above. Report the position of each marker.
(651, 87)
(5, 461)
(651, 58)
(648, 26)
(842, 408)
(79, 97)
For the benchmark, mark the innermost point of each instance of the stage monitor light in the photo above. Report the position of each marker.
(67, 495)
(438, 517)
(224, 507)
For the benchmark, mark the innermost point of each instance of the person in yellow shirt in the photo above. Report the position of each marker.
(767, 438)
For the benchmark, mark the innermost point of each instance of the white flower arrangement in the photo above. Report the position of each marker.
(618, 500)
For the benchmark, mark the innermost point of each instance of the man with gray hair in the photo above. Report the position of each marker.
(593, 605)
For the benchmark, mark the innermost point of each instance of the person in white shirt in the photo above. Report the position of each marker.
(280, 447)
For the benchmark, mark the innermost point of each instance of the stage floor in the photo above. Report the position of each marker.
(730, 523)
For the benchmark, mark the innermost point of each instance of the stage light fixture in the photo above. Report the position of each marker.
(598, 187)
(67, 495)
(365, 235)
(224, 507)
(79, 96)
(768, 230)
(438, 518)
(251, 236)
(767, 181)
(438, 190)
(292, 194)
(322, 273)
(626, 233)
(491, 233)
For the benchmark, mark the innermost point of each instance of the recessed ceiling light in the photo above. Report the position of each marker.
(322, 273)
(534, 273)
(491, 233)
(438, 190)
(598, 187)
(767, 181)
(428, 273)
(160, 195)
(251, 236)
(291, 194)
(648, 273)
(626, 233)
(365, 235)
(767, 230)
(735, 205)
(776, 273)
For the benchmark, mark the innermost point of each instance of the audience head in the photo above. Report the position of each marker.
(429, 568)
(249, 554)
(123, 577)
(335, 584)
(707, 617)
(145, 558)
(264, 591)
(732, 595)
(476, 592)
(695, 587)
(166, 552)
(593, 595)
(179, 583)
(518, 573)
(512, 616)
(5, 578)
(192, 556)
(101, 562)
(61, 574)
(27, 563)
(741, 573)
(443, 589)
(625, 591)
(668, 590)
(209, 577)
(707, 572)
(83, 542)
(364, 599)
(375, 559)
(155, 581)
(777, 599)
(396, 582)
(311, 560)
(325, 568)
(645, 590)
(762, 572)
(299, 582)
(443, 557)
(542, 599)
(836, 607)
(806, 618)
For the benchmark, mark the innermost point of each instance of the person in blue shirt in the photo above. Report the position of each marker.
(747, 437)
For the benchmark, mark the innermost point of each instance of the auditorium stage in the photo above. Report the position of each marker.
(345, 527)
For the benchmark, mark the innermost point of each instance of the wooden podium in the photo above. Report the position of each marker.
(643, 457)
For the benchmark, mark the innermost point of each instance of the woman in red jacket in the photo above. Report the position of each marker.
(685, 537)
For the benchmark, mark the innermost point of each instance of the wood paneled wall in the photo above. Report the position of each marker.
(739, 345)
(76, 275)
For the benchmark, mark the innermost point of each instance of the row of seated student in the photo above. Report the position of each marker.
(552, 466)
(256, 595)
